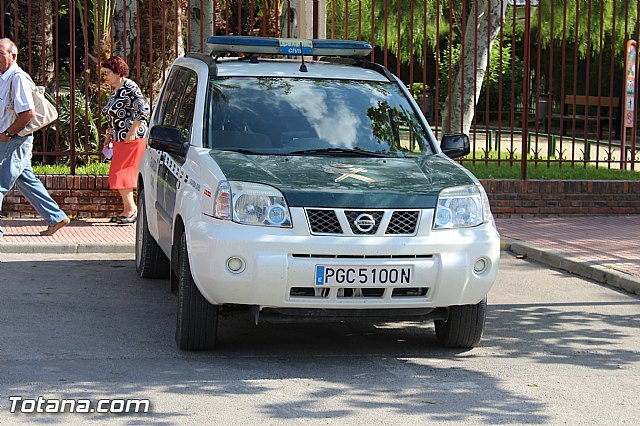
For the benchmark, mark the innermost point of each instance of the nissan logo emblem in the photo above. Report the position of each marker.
(364, 222)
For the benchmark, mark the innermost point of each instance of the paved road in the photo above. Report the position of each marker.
(557, 350)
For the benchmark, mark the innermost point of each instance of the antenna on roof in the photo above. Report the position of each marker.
(303, 67)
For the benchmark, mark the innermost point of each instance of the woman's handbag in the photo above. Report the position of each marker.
(45, 112)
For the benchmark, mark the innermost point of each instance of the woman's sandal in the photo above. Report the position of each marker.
(124, 220)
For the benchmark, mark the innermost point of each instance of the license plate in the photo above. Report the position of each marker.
(363, 275)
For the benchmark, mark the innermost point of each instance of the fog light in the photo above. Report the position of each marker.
(235, 265)
(481, 266)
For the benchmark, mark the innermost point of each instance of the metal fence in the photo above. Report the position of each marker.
(551, 91)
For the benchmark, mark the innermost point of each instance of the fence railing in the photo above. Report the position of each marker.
(534, 80)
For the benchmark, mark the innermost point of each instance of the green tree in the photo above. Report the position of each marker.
(577, 22)
(406, 34)
(359, 24)
(583, 20)
(34, 34)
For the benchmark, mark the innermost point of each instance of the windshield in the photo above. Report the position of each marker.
(297, 116)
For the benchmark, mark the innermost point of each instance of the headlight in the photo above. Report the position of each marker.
(461, 207)
(251, 204)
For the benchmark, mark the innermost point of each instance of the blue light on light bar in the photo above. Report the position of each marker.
(287, 46)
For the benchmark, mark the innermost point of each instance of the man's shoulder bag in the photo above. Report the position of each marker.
(45, 112)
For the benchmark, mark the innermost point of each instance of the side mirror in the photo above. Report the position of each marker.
(456, 145)
(168, 139)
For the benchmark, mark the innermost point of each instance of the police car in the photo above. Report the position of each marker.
(308, 190)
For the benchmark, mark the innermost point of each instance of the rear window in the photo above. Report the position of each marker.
(289, 115)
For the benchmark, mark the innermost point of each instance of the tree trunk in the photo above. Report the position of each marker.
(35, 40)
(289, 19)
(160, 32)
(124, 28)
(201, 25)
(461, 106)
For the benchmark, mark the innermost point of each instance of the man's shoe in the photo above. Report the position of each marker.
(52, 229)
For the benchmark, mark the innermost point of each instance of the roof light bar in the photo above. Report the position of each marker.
(287, 46)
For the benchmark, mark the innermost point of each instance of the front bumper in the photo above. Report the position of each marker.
(280, 265)
(296, 315)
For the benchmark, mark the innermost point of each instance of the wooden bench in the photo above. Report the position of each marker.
(586, 109)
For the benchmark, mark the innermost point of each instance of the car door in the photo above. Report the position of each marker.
(178, 112)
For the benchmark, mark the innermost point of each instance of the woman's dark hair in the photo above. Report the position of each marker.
(117, 65)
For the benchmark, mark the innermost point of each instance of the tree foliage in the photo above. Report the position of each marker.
(578, 22)
(582, 22)
(380, 19)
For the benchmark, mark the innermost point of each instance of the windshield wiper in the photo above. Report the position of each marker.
(331, 151)
(241, 151)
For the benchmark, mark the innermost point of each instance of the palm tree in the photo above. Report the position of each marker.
(160, 41)
(34, 38)
(584, 19)
(407, 27)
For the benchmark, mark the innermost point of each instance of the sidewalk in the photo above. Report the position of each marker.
(80, 236)
(603, 248)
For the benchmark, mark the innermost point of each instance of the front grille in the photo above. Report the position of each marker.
(359, 292)
(323, 222)
(309, 292)
(326, 221)
(410, 292)
(403, 222)
(353, 215)
(356, 292)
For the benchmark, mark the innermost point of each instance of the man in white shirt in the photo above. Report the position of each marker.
(16, 111)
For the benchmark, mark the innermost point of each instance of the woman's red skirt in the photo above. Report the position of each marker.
(123, 172)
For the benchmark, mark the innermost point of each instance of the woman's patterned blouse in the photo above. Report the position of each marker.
(126, 105)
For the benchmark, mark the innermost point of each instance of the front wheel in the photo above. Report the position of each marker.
(151, 261)
(197, 319)
(464, 326)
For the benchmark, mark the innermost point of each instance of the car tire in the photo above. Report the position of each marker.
(463, 327)
(197, 319)
(151, 262)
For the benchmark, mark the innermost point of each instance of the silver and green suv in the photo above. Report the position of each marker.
(310, 190)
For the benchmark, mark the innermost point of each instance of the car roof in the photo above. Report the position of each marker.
(264, 67)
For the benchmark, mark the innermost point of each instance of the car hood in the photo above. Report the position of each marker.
(347, 182)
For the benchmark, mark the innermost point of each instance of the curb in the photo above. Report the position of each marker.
(67, 248)
(583, 268)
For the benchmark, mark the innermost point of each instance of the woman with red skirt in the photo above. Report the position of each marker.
(127, 112)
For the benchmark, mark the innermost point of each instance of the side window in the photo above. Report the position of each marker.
(187, 107)
(164, 97)
(171, 103)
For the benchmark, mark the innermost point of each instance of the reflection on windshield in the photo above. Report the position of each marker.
(284, 115)
(331, 120)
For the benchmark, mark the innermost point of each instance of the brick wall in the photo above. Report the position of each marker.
(545, 198)
(90, 196)
(83, 196)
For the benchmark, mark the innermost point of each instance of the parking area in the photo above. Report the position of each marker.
(557, 349)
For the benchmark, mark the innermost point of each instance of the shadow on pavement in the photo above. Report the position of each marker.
(93, 329)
